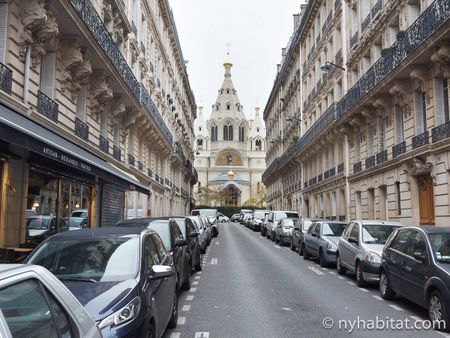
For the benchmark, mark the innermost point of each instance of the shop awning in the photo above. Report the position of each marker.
(20, 130)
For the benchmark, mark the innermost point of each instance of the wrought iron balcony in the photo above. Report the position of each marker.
(399, 149)
(332, 171)
(117, 153)
(382, 156)
(420, 140)
(317, 39)
(376, 8)
(305, 185)
(104, 144)
(270, 169)
(161, 180)
(81, 129)
(152, 68)
(5, 78)
(319, 178)
(441, 132)
(370, 162)
(337, 3)
(150, 172)
(154, 114)
(340, 168)
(354, 40)
(326, 174)
(357, 167)
(142, 47)
(365, 23)
(47, 107)
(92, 20)
(133, 28)
(131, 160)
(140, 166)
(157, 178)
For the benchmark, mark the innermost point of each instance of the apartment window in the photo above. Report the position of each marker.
(47, 76)
(371, 203)
(445, 97)
(398, 198)
(381, 133)
(369, 141)
(358, 205)
(399, 127)
(81, 103)
(3, 30)
(420, 110)
(382, 203)
(357, 146)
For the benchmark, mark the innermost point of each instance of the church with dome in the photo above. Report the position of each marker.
(230, 149)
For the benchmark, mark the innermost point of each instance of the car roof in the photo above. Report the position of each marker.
(7, 270)
(378, 221)
(330, 221)
(295, 212)
(434, 229)
(101, 232)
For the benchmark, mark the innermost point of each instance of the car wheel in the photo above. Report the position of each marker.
(174, 318)
(187, 282)
(340, 269)
(322, 261)
(359, 276)
(306, 254)
(300, 249)
(437, 312)
(198, 267)
(151, 331)
(385, 290)
(292, 246)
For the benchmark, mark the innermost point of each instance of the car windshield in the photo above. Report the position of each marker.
(38, 222)
(102, 260)
(288, 223)
(75, 222)
(282, 214)
(260, 214)
(79, 214)
(306, 224)
(197, 223)
(162, 228)
(210, 213)
(333, 229)
(181, 225)
(376, 233)
(441, 246)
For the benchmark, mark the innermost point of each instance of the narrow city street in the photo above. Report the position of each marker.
(250, 287)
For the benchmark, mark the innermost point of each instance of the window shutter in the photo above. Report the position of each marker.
(81, 103)
(357, 146)
(3, 30)
(369, 140)
(438, 101)
(418, 107)
(424, 111)
(381, 132)
(398, 124)
(47, 81)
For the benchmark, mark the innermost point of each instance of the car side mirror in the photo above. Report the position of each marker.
(419, 256)
(180, 242)
(161, 271)
(193, 234)
(353, 240)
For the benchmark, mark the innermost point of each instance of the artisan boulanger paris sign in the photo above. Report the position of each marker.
(64, 158)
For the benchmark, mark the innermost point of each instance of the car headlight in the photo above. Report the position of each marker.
(331, 246)
(372, 257)
(125, 314)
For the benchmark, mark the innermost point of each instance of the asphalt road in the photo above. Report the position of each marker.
(250, 287)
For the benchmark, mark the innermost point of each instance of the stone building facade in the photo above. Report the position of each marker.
(230, 149)
(96, 112)
(371, 127)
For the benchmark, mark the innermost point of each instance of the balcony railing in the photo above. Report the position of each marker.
(382, 156)
(365, 23)
(157, 178)
(117, 153)
(441, 132)
(150, 172)
(357, 167)
(420, 140)
(376, 8)
(5, 78)
(131, 160)
(104, 144)
(133, 28)
(97, 28)
(332, 171)
(142, 47)
(319, 178)
(354, 40)
(370, 162)
(398, 149)
(305, 185)
(340, 168)
(81, 129)
(326, 174)
(47, 107)
(337, 3)
(140, 166)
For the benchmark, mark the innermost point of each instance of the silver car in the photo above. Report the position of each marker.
(203, 236)
(273, 219)
(283, 231)
(33, 300)
(360, 248)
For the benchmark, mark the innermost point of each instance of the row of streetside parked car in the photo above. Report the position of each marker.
(408, 261)
(121, 281)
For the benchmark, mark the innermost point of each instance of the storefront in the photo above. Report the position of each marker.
(42, 174)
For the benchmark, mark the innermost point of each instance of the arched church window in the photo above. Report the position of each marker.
(214, 133)
(241, 134)
(228, 107)
(228, 132)
(200, 144)
(228, 91)
(258, 145)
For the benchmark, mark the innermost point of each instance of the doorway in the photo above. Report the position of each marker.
(426, 199)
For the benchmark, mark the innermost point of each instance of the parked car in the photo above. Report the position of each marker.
(299, 232)
(321, 241)
(212, 216)
(274, 217)
(283, 231)
(235, 218)
(123, 276)
(223, 218)
(264, 225)
(203, 236)
(248, 220)
(207, 226)
(41, 227)
(258, 217)
(191, 233)
(416, 265)
(78, 219)
(242, 213)
(174, 243)
(360, 248)
(33, 299)
(30, 212)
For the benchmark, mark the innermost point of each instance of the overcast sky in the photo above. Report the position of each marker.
(256, 31)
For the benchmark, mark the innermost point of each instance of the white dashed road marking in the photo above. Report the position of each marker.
(286, 309)
(277, 246)
(195, 283)
(340, 277)
(197, 277)
(351, 283)
(175, 335)
(186, 308)
(201, 335)
(214, 261)
(398, 308)
(332, 273)
(377, 297)
(181, 320)
(217, 242)
(417, 319)
(189, 297)
(199, 273)
(192, 289)
(363, 290)
(315, 270)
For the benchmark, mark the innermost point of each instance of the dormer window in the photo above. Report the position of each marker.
(228, 107)
(228, 91)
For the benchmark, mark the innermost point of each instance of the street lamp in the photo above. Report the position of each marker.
(327, 66)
